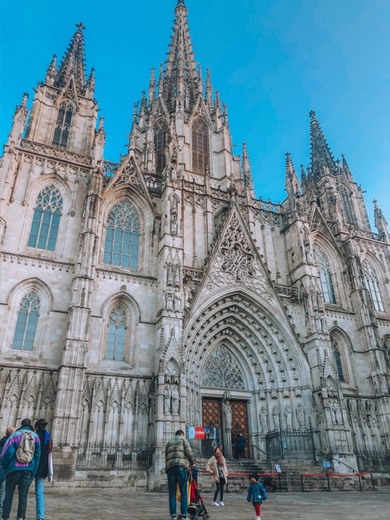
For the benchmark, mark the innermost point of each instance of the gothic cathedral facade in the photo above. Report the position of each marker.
(159, 293)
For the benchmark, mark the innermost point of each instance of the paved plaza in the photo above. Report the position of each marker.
(101, 504)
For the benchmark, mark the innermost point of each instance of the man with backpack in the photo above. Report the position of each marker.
(20, 460)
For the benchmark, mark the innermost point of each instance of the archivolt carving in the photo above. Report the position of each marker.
(223, 371)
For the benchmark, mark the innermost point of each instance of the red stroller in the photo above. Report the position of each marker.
(196, 509)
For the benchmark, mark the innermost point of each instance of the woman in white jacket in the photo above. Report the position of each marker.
(217, 467)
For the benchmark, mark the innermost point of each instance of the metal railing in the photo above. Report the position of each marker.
(113, 456)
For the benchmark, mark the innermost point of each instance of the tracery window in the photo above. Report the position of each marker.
(122, 237)
(116, 334)
(200, 146)
(223, 370)
(372, 286)
(27, 322)
(348, 208)
(46, 220)
(63, 124)
(325, 275)
(160, 144)
(339, 359)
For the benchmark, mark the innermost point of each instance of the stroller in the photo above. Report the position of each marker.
(196, 509)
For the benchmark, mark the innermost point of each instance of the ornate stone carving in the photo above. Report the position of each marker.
(223, 371)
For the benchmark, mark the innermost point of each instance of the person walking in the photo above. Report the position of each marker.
(8, 432)
(178, 461)
(45, 468)
(256, 495)
(218, 468)
(20, 460)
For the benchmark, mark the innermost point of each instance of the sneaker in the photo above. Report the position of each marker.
(222, 504)
(215, 504)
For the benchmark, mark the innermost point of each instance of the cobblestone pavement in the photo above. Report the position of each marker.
(101, 504)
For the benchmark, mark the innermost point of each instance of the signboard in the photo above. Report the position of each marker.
(278, 469)
(326, 463)
(196, 432)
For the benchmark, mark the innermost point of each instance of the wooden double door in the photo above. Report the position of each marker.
(213, 417)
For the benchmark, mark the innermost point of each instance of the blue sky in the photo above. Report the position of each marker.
(272, 61)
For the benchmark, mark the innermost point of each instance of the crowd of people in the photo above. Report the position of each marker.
(25, 455)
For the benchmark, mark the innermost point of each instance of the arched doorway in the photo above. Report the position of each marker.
(225, 420)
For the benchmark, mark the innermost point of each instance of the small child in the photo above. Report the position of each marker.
(256, 495)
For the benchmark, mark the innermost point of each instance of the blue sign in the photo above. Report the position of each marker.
(326, 463)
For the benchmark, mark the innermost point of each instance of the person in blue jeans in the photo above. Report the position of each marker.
(45, 468)
(19, 474)
(8, 432)
(178, 461)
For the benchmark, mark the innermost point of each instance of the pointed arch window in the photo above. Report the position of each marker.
(200, 146)
(160, 144)
(339, 360)
(116, 334)
(46, 220)
(372, 286)
(27, 322)
(63, 124)
(122, 237)
(325, 275)
(348, 208)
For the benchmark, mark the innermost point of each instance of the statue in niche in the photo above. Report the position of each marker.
(174, 223)
(300, 413)
(264, 419)
(288, 416)
(175, 400)
(167, 400)
(335, 410)
(228, 415)
(276, 418)
(169, 301)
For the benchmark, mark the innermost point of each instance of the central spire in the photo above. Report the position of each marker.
(73, 62)
(181, 80)
(322, 161)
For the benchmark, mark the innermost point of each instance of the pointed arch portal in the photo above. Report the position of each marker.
(243, 363)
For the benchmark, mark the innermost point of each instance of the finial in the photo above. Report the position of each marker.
(80, 26)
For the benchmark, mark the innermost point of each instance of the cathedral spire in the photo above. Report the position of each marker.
(322, 161)
(293, 186)
(180, 75)
(246, 168)
(73, 62)
(380, 222)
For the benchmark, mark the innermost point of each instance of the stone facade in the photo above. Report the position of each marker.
(133, 293)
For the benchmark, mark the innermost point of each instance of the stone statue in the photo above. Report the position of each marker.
(175, 400)
(167, 400)
(300, 413)
(228, 415)
(276, 418)
(264, 419)
(288, 416)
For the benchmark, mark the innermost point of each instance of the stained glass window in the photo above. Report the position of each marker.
(200, 146)
(325, 275)
(122, 238)
(116, 334)
(160, 144)
(338, 357)
(46, 220)
(62, 129)
(27, 321)
(372, 286)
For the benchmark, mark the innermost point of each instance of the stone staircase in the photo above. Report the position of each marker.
(239, 473)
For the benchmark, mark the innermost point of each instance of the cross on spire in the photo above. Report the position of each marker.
(80, 26)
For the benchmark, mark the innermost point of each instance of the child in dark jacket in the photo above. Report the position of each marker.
(256, 495)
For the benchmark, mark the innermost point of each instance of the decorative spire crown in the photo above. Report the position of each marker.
(180, 77)
(73, 62)
(322, 161)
